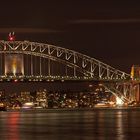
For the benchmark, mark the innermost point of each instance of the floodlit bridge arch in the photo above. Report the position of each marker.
(80, 66)
(33, 61)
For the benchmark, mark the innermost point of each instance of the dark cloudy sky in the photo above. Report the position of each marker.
(106, 30)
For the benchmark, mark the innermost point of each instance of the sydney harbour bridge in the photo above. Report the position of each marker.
(26, 61)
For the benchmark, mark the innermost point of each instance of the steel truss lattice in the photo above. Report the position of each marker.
(89, 67)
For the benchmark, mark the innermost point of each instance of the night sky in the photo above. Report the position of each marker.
(108, 31)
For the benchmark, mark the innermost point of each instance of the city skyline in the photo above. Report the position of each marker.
(108, 31)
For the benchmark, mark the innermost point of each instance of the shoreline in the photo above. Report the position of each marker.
(74, 109)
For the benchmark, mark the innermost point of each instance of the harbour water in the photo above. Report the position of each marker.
(94, 124)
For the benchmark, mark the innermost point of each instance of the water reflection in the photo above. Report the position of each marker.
(12, 126)
(71, 124)
(120, 126)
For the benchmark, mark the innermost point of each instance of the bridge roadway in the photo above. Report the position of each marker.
(58, 78)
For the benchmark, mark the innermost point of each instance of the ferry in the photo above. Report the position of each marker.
(101, 105)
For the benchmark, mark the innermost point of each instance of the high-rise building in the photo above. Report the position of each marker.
(41, 98)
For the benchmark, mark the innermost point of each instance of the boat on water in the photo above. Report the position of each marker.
(2, 107)
(101, 105)
(31, 106)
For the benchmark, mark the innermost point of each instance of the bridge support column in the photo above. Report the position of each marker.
(74, 61)
(49, 68)
(40, 65)
(74, 71)
(1, 64)
(31, 65)
(22, 65)
(66, 71)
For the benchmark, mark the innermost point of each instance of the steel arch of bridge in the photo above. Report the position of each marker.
(91, 68)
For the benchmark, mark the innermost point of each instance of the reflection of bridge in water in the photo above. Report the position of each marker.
(31, 61)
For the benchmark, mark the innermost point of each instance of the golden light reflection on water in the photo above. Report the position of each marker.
(99, 124)
(120, 127)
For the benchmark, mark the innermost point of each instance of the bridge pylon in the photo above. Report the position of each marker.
(128, 91)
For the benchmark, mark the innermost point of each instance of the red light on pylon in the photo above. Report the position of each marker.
(11, 36)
